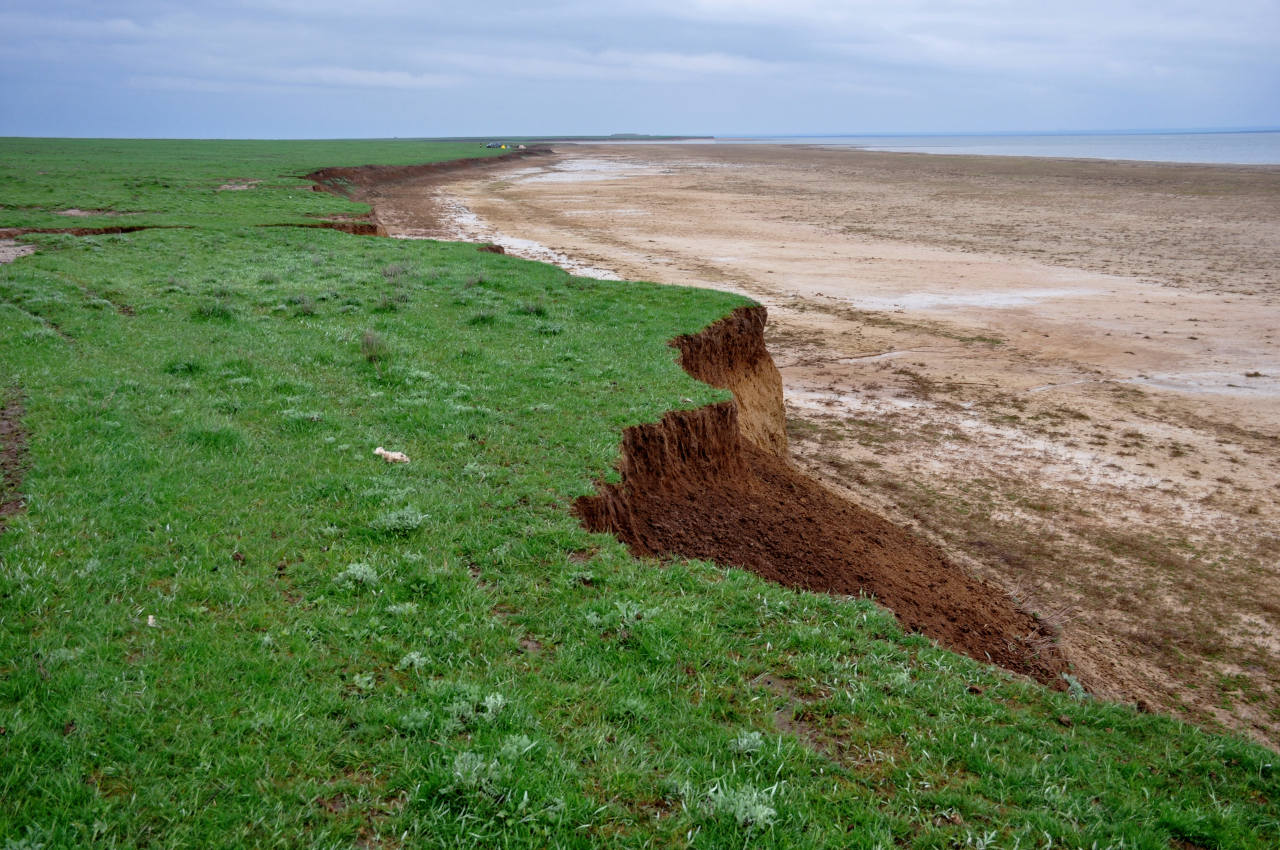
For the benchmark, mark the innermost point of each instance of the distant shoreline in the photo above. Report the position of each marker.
(1226, 147)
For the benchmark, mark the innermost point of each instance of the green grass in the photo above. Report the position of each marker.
(177, 183)
(225, 623)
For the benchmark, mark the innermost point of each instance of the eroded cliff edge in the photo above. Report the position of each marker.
(391, 189)
(714, 483)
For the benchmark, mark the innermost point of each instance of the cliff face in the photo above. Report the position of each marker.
(363, 180)
(731, 355)
(373, 183)
(714, 483)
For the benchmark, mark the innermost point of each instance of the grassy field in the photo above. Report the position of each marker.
(132, 182)
(225, 623)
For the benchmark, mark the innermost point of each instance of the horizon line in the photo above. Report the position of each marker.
(703, 135)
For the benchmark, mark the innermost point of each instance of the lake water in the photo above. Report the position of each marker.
(1244, 148)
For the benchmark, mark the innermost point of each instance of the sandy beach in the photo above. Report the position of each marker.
(1063, 372)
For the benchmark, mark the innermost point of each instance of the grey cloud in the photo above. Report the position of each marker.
(758, 65)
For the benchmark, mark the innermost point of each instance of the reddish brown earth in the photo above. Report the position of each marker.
(731, 354)
(14, 232)
(13, 457)
(355, 227)
(714, 483)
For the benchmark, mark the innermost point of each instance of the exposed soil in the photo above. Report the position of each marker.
(14, 232)
(712, 483)
(355, 227)
(11, 250)
(1066, 374)
(13, 456)
(731, 355)
(76, 212)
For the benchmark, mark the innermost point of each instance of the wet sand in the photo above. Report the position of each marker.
(1064, 372)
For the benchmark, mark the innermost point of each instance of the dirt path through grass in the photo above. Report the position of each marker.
(1066, 373)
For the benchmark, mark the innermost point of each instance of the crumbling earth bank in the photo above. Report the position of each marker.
(714, 483)
(375, 184)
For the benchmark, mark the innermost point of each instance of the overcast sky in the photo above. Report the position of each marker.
(381, 68)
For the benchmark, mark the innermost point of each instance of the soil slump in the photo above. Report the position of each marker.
(731, 355)
(713, 483)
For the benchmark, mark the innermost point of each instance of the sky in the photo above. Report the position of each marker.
(396, 68)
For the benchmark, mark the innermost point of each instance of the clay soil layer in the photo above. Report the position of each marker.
(1064, 373)
(715, 483)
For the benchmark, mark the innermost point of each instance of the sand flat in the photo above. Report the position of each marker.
(1064, 372)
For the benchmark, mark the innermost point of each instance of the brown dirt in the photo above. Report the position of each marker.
(731, 355)
(15, 232)
(714, 483)
(11, 250)
(13, 456)
(355, 227)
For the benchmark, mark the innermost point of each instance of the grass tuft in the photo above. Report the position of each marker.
(373, 347)
(213, 311)
(399, 522)
(183, 366)
(215, 439)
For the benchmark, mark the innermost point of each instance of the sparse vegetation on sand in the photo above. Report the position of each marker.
(224, 622)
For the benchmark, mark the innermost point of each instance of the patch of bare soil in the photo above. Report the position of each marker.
(13, 456)
(11, 250)
(76, 212)
(1066, 374)
(356, 227)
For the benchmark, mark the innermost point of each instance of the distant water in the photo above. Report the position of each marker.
(1241, 148)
